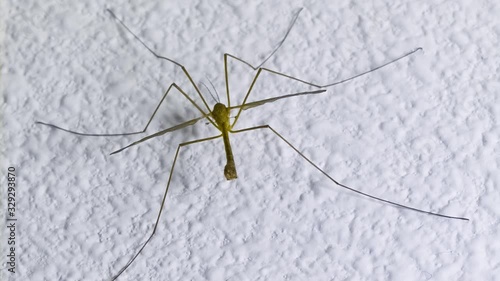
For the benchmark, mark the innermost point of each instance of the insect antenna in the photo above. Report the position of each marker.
(213, 87)
(210, 92)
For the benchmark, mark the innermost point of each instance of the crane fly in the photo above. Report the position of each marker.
(219, 117)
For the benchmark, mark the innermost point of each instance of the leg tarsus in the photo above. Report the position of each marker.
(162, 203)
(260, 69)
(282, 40)
(342, 185)
(174, 85)
(86, 134)
(161, 57)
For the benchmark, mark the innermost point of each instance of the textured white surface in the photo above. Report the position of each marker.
(422, 132)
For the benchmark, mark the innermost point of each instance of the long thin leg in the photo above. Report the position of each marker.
(173, 85)
(342, 185)
(259, 70)
(264, 61)
(162, 203)
(161, 57)
(282, 40)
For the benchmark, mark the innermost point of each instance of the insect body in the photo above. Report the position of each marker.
(219, 117)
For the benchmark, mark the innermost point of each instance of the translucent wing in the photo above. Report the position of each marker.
(264, 101)
(162, 132)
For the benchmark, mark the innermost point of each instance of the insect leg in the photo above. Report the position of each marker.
(342, 185)
(162, 203)
(173, 85)
(259, 70)
(161, 57)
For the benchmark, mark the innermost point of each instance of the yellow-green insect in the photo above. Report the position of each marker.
(219, 117)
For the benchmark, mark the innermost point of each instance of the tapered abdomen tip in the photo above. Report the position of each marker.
(230, 172)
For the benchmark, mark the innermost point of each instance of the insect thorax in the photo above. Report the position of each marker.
(220, 113)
